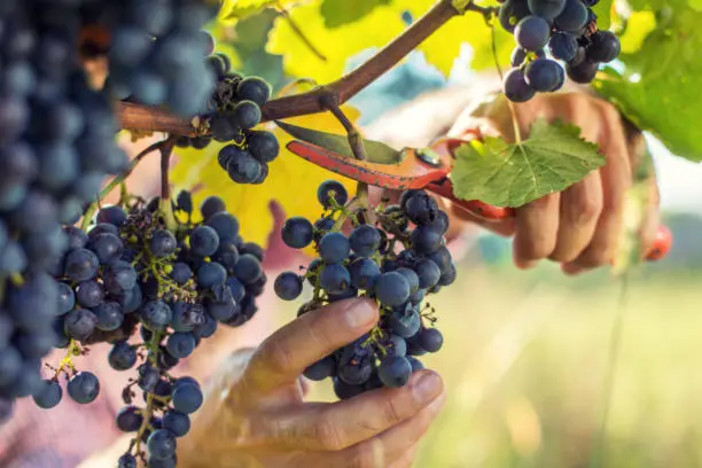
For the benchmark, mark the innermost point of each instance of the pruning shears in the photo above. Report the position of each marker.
(410, 168)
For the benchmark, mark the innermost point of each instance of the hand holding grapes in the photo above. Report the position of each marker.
(254, 414)
(579, 227)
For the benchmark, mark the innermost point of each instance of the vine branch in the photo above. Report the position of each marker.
(139, 117)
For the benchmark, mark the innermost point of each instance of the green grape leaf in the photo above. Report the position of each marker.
(604, 12)
(233, 10)
(512, 175)
(338, 13)
(658, 88)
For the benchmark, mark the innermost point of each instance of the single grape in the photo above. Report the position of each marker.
(546, 9)
(177, 423)
(248, 269)
(584, 72)
(122, 356)
(113, 215)
(518, 56)
(334, 247)
(156, 315)
(210, 274)
(335, 279)
(79, 324)
(321, 369)
(81, 265)
(226, 225)
(394, 371)
(161, 444)
(181, 273)
(563, 46)
(288, 286)
(431, 340)
(89, 294)
(83, 387)
(163, 243)
(543, 75)
(254, 89)
(210, 206)
(332, 189)
(420, 208)
(297, 232)
(187, 398)
(246, 114)
(365, 240)
(415, 363)
(411, 277)
(127, 460)
(128, 419)
(364, 272)
(109, 316)
(532, 33)
(67, 298)
(263, 146)
(244, 169)
(516, 88)
(392, 289)
(573, 18)
(605, 47)
(48, 395)
(180, 344)
(204, 241)
(511, 12)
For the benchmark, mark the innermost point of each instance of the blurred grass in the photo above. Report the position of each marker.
(525, 360)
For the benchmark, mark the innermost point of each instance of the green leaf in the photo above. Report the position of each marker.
(338, 13)
(659, 89)
(603, 11)
(502, 174)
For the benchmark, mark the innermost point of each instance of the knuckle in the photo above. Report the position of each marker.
(328, 434)
(367, 455)
(391, 411)
(584, 211)
(277, 356)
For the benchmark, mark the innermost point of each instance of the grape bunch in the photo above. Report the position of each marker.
(568, 29)
(233, 111)
(57, 143)
(130, 275)
(397, 260)
(157, 51)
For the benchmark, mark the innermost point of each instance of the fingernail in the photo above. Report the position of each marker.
(427, 387)
(360, 313)
(570, 269)
(526, 264)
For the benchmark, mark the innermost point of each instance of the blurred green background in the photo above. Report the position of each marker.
(532, 360)
(527, 362)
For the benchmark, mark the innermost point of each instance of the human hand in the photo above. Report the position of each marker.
(581, 226)
(255, 414)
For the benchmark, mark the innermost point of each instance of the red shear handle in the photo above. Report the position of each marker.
(659, 250)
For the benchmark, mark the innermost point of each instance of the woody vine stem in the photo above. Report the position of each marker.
(145, 118)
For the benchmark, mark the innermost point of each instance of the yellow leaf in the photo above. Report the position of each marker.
(638, 27)
(443, 47)
(292, 182)
(337, 45)
(233, 10)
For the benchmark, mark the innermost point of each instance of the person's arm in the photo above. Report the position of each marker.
(255, 415)
(581, 226)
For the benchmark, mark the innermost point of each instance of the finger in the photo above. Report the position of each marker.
(652, 218)
(616, 181)
(333, 427)
(407, 458)
(537, 228)
(389, 446)
(580, 209)
(283, 356)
